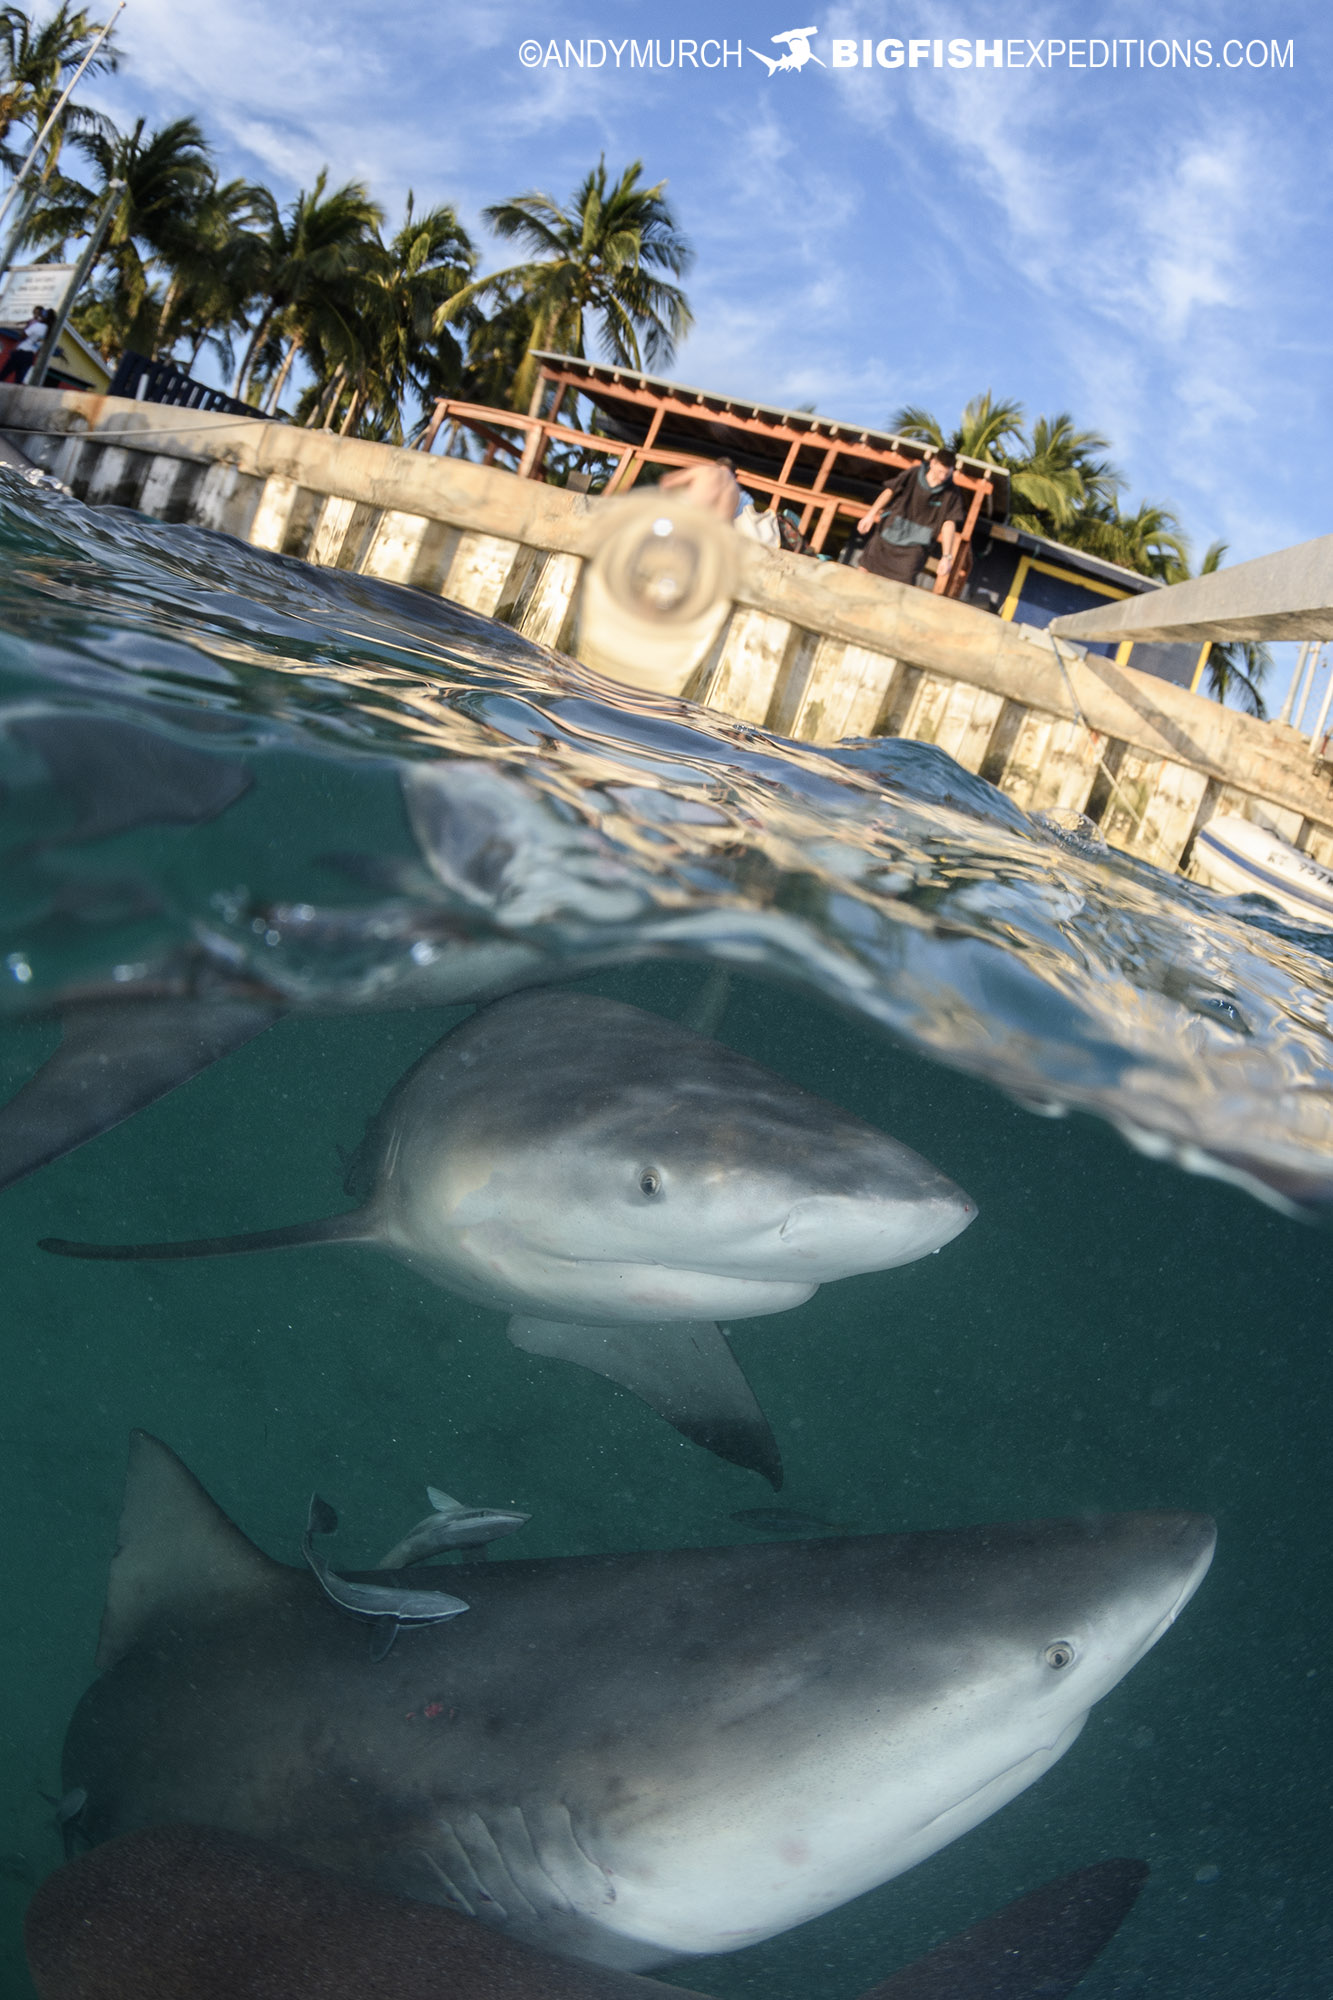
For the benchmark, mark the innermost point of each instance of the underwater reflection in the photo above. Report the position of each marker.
(556, 822)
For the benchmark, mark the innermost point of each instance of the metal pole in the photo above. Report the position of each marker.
(37, 373)
(15, 235)
(1297, 671)
(1306, 677)
(1318, 729)
(1316, 661)
(61, 101)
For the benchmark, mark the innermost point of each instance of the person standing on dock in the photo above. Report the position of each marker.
(920, 506)
(20, 358)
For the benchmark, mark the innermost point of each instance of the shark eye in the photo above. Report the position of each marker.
(650, 1181)
(1061, 1654)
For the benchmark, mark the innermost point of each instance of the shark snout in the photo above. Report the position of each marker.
(838, 1235)
(1190, 1539)
(1165, 1558)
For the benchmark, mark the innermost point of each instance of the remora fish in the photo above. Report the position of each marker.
(187, 1913)
(616, 1183)
(624, 1758)
(387, 1604)
(451, 1525)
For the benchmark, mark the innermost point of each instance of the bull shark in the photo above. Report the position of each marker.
(187, 1913)
(625, 1759)
(616, 1183)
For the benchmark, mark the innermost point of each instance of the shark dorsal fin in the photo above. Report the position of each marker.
(442, 1503)
(176, 1551)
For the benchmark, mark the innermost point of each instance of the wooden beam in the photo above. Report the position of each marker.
(959, 570)
(626, 472)
(534, 452)
(826, 521)
(432, 429)
(630, 461)
(853, 446)
(830, 459)
(756, 426)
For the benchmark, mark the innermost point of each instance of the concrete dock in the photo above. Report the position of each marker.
(811, 650)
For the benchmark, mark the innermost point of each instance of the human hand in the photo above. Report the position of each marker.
(865, 524)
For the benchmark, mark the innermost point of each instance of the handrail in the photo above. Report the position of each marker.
(539, 433)
(146, 381)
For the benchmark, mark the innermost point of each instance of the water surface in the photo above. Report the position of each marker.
(1121, 1328)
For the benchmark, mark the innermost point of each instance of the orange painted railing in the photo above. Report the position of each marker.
(818, 509)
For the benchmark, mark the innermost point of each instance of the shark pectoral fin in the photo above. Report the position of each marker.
(684, 1369)
(116, 1057)
(1037, 1948)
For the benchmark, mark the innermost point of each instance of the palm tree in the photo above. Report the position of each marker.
(983, 427)
(168, 179)
(1236, 667)
(215, 272)
(1060, 484)
(1150, 540)
(34, 65)
(497, 345)
(1061, 471)
(395, 352)
(599, 258)
(1051, 475)
(312, 259)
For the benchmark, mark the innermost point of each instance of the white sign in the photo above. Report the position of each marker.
(35, 285)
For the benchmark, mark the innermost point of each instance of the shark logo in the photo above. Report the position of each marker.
(799, 51)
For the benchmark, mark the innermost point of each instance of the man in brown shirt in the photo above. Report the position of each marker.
(920, 506)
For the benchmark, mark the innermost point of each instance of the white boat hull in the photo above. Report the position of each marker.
(1243, 859)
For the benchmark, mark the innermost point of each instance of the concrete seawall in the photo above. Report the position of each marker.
(811, 650)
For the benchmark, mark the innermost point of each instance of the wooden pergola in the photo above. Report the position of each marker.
(818, 470)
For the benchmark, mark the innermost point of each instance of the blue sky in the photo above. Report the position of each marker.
(1145, 247)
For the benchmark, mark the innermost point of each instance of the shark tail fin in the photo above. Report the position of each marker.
(353, 1228)
(177, 1550)
(1038, 1948)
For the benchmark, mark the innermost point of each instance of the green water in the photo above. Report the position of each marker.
(1112, 1333)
